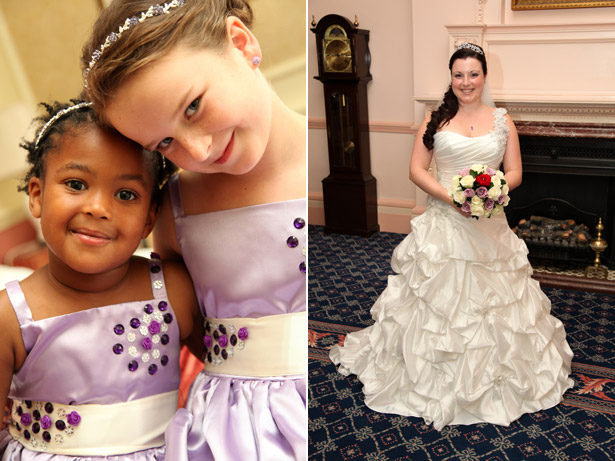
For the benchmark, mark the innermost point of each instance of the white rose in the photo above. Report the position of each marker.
(467, 181)
(459, 197)
(499, 174)
(477, 201)
(497, 182)
(505, 189)
(477, 210)
(494, 192)
(478, 168)
(497, 210)
(506, 200)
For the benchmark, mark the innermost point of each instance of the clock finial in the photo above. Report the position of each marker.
(313, 21)
(356, 22)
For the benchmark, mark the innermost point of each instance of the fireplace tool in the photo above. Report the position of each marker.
(597, 244)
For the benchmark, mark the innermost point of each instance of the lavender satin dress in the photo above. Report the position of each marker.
(104, 355)
(244, 263)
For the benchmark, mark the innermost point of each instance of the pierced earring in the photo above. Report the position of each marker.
(256, 60)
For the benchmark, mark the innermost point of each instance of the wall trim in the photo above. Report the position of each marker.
(375, 126)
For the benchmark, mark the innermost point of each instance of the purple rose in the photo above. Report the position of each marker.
(208, 341)
(466, 207)
(45, 422)
(489, 204)
(147, 344)
(154, 327)
(242, 333)
(482, 192)
(464, 172)
(501, 199)
(468, 193)
(26, 419)
(223, 340)
(73, 418)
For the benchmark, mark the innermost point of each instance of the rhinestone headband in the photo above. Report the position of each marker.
(52, 120)
(470, 46)
(154, 10)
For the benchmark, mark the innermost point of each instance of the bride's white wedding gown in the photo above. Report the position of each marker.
(462, 333)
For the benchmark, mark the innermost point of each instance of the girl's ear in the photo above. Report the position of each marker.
(35, 193)
(242, 38)
(150, 220)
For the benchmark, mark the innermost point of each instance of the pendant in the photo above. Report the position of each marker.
(471, 128)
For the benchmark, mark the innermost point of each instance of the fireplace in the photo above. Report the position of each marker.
(568, 173)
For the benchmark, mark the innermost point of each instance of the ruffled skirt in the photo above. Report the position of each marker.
(232, 418)
(462, 333)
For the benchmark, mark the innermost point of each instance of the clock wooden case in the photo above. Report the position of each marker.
(349, 192)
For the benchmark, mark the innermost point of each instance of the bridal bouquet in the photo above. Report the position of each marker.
(480, 190)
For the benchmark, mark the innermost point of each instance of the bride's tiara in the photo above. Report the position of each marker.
(470, 46)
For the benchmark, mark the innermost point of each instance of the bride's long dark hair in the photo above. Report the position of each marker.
(449, 107)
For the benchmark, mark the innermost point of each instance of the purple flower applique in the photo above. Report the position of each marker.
(147, 344)
(207, 341)
(222, 340)
(26, 419)
(242, 333)
(154, 327)
(73, 418)
(45, 422)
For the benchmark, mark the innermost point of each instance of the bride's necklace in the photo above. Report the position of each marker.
(472, 122)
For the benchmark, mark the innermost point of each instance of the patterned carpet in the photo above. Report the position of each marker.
(347, 274)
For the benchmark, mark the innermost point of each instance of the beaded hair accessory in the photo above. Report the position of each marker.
(154, 10)
(470, 46)
(61, 113)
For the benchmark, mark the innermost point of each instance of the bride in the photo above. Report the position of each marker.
(462, 333)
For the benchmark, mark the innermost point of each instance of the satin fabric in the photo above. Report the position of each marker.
(242, 266)
(462, 333)
(71, 360)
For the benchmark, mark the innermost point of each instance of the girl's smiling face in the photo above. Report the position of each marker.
(208, 111)
(94, 200)
(468, 80)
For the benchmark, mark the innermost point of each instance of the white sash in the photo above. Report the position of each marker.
(276, 345)
(103, 430)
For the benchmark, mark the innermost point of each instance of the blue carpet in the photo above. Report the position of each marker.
(346, 275)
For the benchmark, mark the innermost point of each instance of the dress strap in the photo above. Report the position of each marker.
(175, 196)
(156, 276)
(22, 311)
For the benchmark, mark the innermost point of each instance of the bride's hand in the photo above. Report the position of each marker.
(465, 214)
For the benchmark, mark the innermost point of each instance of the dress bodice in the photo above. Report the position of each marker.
(453, 151)
(109, 354)
(245, 262)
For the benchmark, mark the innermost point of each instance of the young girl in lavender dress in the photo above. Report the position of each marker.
(183, 78)
(90, 343)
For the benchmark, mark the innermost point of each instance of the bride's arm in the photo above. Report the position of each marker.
(419, 168)
(512, 157)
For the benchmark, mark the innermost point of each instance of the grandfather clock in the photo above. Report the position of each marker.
(343, 68)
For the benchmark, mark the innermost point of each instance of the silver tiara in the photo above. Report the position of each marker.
(470, 46)
(154, 10)
(52, 120)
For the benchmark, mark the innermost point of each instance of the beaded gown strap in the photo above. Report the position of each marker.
(156, 277)
(22, 311)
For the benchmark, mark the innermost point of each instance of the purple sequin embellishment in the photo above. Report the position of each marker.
(26, 435)
(60, 425)
(118, 349)
(48, 408)
(292, 242)
(46, 436)
(168, 318)
(118, 329)
(162, 305)
(299, 223)
(164, 360)
(302, 267)
(133, 365)
(164, 339)
(135, 323)
(149, 309)
(155, 269)
(152, 369)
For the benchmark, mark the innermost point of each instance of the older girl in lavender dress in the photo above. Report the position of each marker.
(90, 344)
(183, 78)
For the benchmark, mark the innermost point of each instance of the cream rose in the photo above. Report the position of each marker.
(467, 181)
(477, 210)
(494, 192)
(459, 197)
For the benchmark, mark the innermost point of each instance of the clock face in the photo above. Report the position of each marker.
(337, 53)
